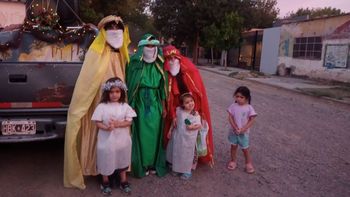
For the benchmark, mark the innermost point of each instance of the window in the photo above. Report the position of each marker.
(336, 56)
(308, 48)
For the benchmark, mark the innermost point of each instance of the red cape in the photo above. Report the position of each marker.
(193, 81)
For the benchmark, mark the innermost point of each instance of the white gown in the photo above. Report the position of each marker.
(181, 146)
(113, 147)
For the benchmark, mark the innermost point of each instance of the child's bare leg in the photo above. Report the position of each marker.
(105, 186)
(232, 164)
(124, 185)
(123, 176)
(105, 179)
(234, 152)
(248, 161)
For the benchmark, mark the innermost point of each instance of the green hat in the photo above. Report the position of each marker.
(148, 39)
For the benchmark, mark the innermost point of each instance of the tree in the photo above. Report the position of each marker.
(230, 30)
(209, 40)
(184, 20)
(195, 20)
(224, 34)
(131, 11)
(258, 13)
(88, 14)
(315, 12)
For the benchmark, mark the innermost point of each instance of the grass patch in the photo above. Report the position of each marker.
(232, 74)
(257, 73)
(339, 93)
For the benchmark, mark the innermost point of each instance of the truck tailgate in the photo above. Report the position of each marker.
(37, 84)
(34, 99)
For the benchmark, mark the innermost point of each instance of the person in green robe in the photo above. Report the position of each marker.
(147, 94)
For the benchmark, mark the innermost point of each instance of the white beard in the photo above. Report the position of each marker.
(114, 38)
(150, 54)
(174, 66)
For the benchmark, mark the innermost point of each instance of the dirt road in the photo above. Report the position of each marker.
(300, 147)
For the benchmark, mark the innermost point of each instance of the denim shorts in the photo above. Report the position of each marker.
(242, 140)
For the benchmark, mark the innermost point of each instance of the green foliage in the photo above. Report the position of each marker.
(211, 34)
(217, 22)
(258, 13)
(183, 19)
(315, 12)
(131, 11)
(88, 14)
(230, 30)
(224, 34)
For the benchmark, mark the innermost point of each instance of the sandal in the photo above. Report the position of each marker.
(186, 176)
(125, 187)
(231, 165)
(249, 169)
(106, 189)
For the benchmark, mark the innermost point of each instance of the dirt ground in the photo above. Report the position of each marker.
(300, 147)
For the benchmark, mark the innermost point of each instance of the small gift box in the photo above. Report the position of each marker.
(187, 122)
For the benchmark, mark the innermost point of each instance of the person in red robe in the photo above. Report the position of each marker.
(185, 77)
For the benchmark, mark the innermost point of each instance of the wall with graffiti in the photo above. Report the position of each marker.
(317, 48)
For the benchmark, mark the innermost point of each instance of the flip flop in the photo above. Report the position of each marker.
(231, 165)
(249, 169)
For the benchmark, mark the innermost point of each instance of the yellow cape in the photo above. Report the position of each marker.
(86, 88)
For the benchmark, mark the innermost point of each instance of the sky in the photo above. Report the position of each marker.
(286, 6)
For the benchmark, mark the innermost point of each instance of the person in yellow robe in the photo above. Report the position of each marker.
(106, 58)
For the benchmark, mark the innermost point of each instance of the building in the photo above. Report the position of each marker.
(248, 54)
(317, 48)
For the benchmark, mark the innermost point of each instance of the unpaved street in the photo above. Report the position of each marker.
(300, 147)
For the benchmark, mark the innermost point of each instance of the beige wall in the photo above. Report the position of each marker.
(333, 30)
(11, 13)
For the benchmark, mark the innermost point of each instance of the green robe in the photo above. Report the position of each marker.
(146, 90)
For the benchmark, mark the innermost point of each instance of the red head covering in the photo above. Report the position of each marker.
(193, 81)
(170, 51)
(186, 64)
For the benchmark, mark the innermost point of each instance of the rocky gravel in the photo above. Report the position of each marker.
(300, 146)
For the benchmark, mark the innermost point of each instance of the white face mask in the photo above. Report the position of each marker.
(114, 38)
(150, 54)
(174, 66)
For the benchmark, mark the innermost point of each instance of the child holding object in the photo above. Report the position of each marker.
(182, 145)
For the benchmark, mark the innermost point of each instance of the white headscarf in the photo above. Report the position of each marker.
(150, 54)
(114, 38)
(174, 66)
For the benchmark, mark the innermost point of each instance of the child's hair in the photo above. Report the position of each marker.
(109, 85)
(245, 92)
(112, 24)
(183, 96)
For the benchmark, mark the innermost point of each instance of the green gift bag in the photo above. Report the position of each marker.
(201, 144)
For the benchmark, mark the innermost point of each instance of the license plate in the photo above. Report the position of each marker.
(18, 127)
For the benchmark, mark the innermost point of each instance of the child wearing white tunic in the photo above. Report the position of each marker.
(182, 143)
(113, 116)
